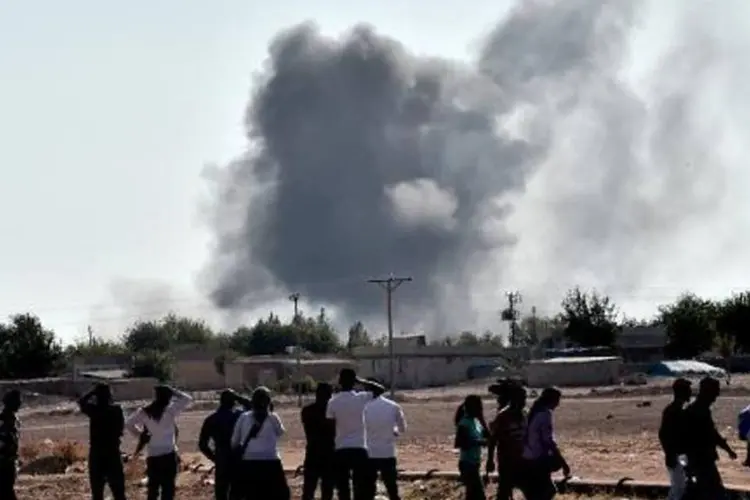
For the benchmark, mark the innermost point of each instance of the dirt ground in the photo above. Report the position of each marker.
(605, 435)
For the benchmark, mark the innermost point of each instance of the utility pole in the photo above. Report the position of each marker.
(389, 285)
(298, 348)
(511, 314)
(91, 335)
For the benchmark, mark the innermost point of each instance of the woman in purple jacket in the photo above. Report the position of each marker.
(541, 456)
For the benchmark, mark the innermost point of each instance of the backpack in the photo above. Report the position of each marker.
(743, 423)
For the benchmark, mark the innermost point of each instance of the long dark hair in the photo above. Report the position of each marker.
(472, 400)
(162, 398)
(544, 401)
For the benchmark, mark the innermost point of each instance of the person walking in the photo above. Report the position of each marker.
(701, 438)
(507, 432)
(346, 409)
(106, 426)
(320, 435)
(541, 455)
(471, 436)
(214, 440)
(672, 437)
(9, 439)
(255, 444)
(159, 418)
(384, 422)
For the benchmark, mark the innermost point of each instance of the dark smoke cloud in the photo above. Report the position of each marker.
(364, 160)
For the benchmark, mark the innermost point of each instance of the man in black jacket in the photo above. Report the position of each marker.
(702, 439)
(672, 437)
(9, 437)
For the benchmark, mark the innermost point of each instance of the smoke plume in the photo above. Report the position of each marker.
(543, 164)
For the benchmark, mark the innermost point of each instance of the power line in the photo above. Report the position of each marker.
(390, 284)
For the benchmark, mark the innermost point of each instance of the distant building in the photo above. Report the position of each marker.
(419, 365)
(642, 344)
(574, 371)
(269, 370)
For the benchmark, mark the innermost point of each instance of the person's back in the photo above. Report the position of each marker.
(106, 425)
(384, 419)
(701, 437)
(319, 431)
(219, 426)
(346, 408)
(508, 430)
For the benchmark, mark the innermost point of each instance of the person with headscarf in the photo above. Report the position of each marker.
(507, 432)
(320, 434)
(471, 436)
(541, 455)
(159, 419)
(9, 440)
(106, 426)
(217, 430)
(255, 445)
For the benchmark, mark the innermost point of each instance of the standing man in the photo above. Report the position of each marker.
(672, 436)
(319, 453)
(702, 439)
(384, 422)
(106, 426)
(217, 429)
(346, 409)
(507, 433)
(9, 437)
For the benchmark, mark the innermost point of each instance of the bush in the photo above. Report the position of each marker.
(158, 365)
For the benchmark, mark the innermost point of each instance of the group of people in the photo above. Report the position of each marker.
(351, 441)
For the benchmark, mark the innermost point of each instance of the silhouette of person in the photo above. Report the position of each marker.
(470, 438)
(701, 440)
(507, 433)
(672, 437)
(320, 434)
(9, 438)
(106, 426)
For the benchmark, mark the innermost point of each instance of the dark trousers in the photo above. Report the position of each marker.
(352, 463)
(471, 477)
(388, 472)
(708, 483)
(162, 476)
(536, 480)
(222, 479)
(507, 480)
(261, 479)
(318, 469)
(8, 479)
(106, 469)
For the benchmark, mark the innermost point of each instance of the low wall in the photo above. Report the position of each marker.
(123, 389)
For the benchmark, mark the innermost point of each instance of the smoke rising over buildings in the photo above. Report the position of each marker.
(541, 165)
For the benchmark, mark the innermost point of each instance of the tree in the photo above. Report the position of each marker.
(733, 321)
(154, 364)
(590, 319)
(271, 336)
(358, 336)
(167, 333)
(27, 349)
(690, 325)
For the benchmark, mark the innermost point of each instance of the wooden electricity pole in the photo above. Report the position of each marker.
(298, 348)
(389, 285)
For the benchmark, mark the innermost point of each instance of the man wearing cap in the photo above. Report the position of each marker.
(217, 428)
(672, 437)
(9, 437)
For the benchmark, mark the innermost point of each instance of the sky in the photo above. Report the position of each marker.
(110, 115)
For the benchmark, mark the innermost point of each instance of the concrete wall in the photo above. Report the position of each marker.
(198, 375)
(572, 372)
(413, 372)
(123, 389)
(250, 372)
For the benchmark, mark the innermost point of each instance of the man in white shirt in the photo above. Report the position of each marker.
(346, 409)
(159, 419)
(384, 422)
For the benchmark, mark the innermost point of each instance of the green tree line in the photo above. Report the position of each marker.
(693, 326)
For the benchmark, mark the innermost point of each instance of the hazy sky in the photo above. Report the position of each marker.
(108, 115)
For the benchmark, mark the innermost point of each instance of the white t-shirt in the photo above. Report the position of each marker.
(264, 446)
(347, 410)
(162, 431)
(384, 420)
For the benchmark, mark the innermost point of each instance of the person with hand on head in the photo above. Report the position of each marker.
(320, 434)
(672, 437)
(159, 419)
(470, 438)
(384, 422)
(541, 455)
(9, 440)
(217, 430)
(701, 438)
(346, 409)
(106, 426)
(255, 448)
